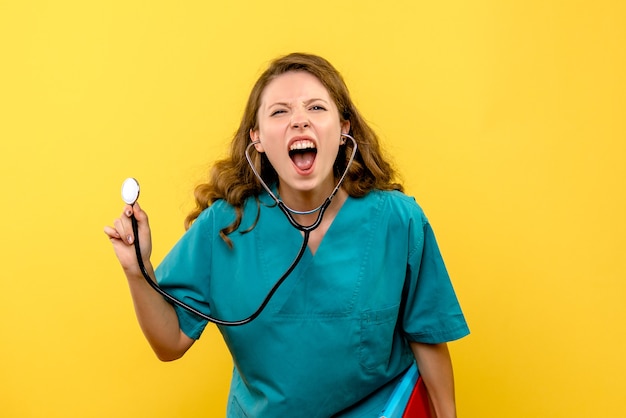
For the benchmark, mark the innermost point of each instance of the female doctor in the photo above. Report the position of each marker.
(370, 295)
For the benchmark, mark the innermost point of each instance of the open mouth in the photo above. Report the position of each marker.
(303, 154)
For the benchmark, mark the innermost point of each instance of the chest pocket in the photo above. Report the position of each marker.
(376, 340)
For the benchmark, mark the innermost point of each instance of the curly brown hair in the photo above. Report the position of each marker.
(233, 180)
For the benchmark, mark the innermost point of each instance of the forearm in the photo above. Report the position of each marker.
(435, 367)
(157, 319)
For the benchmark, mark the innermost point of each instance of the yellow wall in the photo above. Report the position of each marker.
(506, 118)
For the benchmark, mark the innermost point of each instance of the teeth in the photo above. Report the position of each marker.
(305, 144)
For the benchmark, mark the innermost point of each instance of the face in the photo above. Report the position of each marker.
(299, 130)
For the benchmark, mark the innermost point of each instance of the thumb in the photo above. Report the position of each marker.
(139, 213)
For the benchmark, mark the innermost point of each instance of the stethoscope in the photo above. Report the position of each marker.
(130, 194)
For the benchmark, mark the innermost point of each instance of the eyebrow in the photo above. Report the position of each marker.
(307, 102)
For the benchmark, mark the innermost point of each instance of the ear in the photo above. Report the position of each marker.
(345, 127)
(255, 137)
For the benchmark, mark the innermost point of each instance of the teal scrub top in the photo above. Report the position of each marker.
(335, 337)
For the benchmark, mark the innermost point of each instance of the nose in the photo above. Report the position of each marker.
(299, 120)
(299, 125)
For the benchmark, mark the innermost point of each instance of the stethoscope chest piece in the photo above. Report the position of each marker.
(130, 191)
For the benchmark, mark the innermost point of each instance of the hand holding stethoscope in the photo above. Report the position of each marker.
(122, 235)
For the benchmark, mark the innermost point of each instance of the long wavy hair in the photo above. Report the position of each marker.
(233, 180)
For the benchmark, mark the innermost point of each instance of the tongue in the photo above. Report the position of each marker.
(304, 160)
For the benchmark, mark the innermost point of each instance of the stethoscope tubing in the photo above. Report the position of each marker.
(305, 229)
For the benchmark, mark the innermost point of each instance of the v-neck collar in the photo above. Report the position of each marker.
(267, 200)
(331, 227)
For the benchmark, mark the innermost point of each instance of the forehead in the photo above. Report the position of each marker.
(294, 86)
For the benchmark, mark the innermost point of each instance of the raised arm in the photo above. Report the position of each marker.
(156, 316)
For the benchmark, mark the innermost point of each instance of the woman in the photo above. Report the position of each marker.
(371, 294)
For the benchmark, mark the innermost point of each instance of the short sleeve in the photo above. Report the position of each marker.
(185, 274)
(432, 313)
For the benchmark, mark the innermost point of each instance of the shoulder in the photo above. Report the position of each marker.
(215, 213)
(398, 204)
(222, 213)
(216, 208)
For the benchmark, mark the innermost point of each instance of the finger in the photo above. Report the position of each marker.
(128, 211)
(124, 229)
(111, 232)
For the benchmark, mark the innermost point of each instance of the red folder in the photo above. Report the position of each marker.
(419, 405)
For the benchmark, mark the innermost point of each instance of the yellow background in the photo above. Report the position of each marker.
(507, 120)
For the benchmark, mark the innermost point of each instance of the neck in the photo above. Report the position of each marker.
(307, 201)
